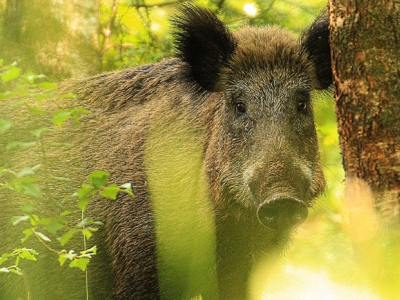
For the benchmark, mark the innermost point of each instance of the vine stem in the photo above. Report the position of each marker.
(86, 271)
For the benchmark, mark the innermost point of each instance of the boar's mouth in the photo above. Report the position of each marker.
(282, 213)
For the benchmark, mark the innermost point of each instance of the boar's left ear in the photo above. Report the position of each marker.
(204, 42)
(315, 40)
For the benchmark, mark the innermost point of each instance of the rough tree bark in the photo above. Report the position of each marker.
(56, 37)
(365, 39)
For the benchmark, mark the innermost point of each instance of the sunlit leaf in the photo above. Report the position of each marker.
(87, 233)
(67, 236)
(27, 186)
(62, 259)
(60, 116)
(28, 254)
(110, 191)
(52, 225)
(84, 223)
(63, 256)
(4, 270)
(16, 271)
(80, 263)
(47, 85)
(28, 171)
(27, 232)
(127, 188)
(83, 203)
(42, 236)
(98, 178)
(10, 74)
(17, 219)
(6, 95)
(68, 95)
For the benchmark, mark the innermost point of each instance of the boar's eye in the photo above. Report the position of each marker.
(302, 106)
(240, 107)
(303, 102)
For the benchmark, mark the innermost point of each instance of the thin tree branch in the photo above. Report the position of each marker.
(137, 5)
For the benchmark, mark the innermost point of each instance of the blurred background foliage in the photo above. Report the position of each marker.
(322, 262)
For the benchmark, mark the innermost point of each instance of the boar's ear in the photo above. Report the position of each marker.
(315, 41)
(204, 42)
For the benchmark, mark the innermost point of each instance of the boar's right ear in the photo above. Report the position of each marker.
(315, 40)
(204, 42)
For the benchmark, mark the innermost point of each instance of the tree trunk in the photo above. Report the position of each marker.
(58, 38)
(365, 39)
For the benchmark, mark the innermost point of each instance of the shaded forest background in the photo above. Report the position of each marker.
(63, 39)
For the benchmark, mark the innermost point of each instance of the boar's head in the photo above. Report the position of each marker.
(262, 153)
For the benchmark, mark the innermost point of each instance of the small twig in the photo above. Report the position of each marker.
(140, 5)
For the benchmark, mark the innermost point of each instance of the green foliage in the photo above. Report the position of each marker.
(30, 185)
(17, 254)
(139, 32)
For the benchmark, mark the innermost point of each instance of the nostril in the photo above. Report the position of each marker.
(282, 213)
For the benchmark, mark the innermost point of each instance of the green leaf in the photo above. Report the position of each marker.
(17, 219)
(85, 190)
(91, 250)
(4, 126)
(4, 270)
(67, 236)
(80, 263)
(34, 219)
(28, 232)
(52, 225)
(28, 171)
(63, 256)
(16, 144)
(110, 191)
(6, 95)
(31, 77)
(62, 259)
(65, 213)
(27, 207)
(82, 111)
(16, 271)
(28, 254)
(27, 186)
(68, 95)
(47, 85)
(60, 116)
(83, 203)
(42, 236)
(84, 223)
(98, 178)
(87, 233)
(127, 188)
(10, 74)
(4, 257)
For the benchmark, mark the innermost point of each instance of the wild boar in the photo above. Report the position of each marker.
(220, 147)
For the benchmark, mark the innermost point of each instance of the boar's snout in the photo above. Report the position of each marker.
(282, 213)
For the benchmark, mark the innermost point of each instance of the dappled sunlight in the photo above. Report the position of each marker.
(301, 283)
(250, 9)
